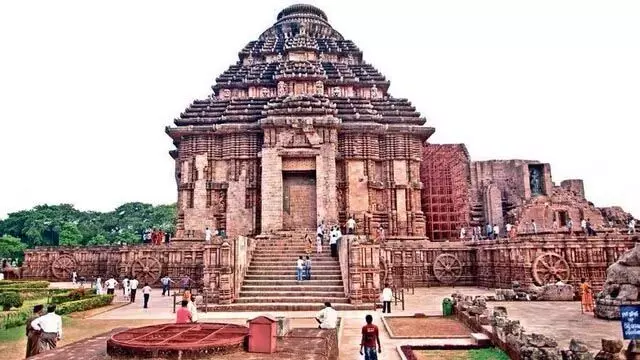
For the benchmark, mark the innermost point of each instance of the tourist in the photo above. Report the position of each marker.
(479, 232)
(307, 269)
(146, 293)
(33, 336)
(632, 226)
(160, 236)
(126, 287)
(463, 233)
(193, 309)
(99, 286)
(570, 226)
(166, 284)
(583, 225)
(74, 277)
(351, 226)
(50, 328)
(333, 242)
(534, 226)
(110, 285)
(319, 244)
(489, 229)
(386, 297)
(590, 230)
(587, 296)
(183, 315)
(308, 244)
(299, 269)
(327, 317)
(207, 235)
(508, 229)
(496, 231)
(133, 284)
(185, 282)
(381, 234)
(370, 337)
(320, 231)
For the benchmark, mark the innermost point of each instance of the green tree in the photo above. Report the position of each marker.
(11, 247)
(70, 235)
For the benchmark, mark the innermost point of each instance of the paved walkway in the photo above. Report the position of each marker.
(561, 320)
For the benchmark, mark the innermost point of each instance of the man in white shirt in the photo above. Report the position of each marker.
(146, 292)
(51, 327)
(583, 225)
(299, 269)
(496, 231)
(632, 226)
(387, 296)
(333, 242)
(111, 286)
(327, 317)
(133, 284)
(534, 226)
(193, 309)
(463, 233)
(351, 226)
(207, 235)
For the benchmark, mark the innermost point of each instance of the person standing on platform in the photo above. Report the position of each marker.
(583, 225)
(308, 244)
(496, 231)
(166, 285)
(99, 286)
(370, 338)
(193, 309)
(320, 231)
(126, 287)
(534, 226)
(74, 277)
(319, 244)
(632, 226)
(463, 233)
(33, 336)
(489, 229)
(146, 293)
(351, 226)
(570, 226)
(133, 283)
(586, 296)
(299, 269)
(333, 242)
(386, 297)
(307, 268)
(207, 235)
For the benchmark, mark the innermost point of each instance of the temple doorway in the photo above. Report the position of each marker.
(299, 200)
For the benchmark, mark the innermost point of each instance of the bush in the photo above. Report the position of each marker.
(15, 318)
(84, 304)
(73, 295)
(24, 284)
(33, 293)
(10, 299)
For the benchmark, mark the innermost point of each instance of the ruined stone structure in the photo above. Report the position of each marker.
(302, 130)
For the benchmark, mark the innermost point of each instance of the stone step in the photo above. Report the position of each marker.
(291, 270)
(286, 288)
(293, 299)
(263, 262)
(292, 282)
(288, 266)
(291, 276)
(268, 307)
(292, 260)
(294, 293)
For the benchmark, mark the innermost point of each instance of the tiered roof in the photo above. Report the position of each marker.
(264, 63)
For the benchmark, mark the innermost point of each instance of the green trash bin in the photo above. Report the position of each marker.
(447, 307)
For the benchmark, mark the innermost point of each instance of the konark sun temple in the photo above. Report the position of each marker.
(300, 131)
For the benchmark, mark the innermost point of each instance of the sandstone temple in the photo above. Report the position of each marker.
(303, 130)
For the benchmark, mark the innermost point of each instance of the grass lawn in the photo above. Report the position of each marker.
(476, 354)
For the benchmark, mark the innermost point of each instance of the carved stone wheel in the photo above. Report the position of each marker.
(146, 269)
(62, 267)
(550, 267)
(447, 268)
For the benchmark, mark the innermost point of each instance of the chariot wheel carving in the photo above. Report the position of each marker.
(146, 269)
(550, 267)
(447, 268)
(62, 267)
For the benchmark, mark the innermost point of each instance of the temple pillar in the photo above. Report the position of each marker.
(226, 295)
(327, 202)
(401, 182)
(271, 190)
(357, 188)
(355, 291)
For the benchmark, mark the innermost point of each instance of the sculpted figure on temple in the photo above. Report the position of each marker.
(536, 188)
(374, 92)
(319, 88)
(282, 89)
(336, 91)
(226, 94)
(265, 92)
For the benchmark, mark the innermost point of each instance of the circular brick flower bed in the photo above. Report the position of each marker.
(185, 341)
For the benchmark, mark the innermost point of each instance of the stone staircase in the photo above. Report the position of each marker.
(270, 282)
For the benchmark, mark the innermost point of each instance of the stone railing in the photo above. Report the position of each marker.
(360, 268)
(243, 252)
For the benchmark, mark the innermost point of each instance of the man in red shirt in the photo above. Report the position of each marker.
(369, 340)
(183, 315)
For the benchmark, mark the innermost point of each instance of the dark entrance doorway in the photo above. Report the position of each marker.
(299, 200)
(563, 218)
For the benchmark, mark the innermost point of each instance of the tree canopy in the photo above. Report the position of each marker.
(52, 225)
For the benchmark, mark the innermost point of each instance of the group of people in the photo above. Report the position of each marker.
(188, 311)
(44, 330)
(155, 236)
(303, 269)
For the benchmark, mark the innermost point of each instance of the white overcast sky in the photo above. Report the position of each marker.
(87, 87)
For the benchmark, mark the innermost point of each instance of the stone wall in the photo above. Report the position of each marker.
(242, 253)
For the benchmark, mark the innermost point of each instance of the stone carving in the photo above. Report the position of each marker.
(374, 92)
(146, 269)
(611, 350)
(552, 292)
(282, 89)
(336, 91)
(63, 266)
(535, 181)
(226, 94)
(319, 88)
(264, 92)
(447, 268)
(622, 285)
(549, 268)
